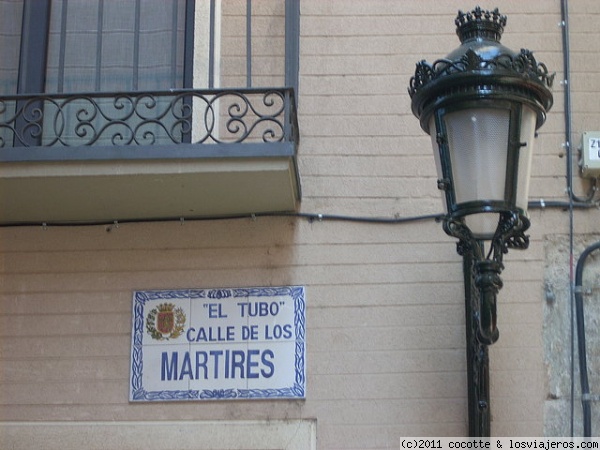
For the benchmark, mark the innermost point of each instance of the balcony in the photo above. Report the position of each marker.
(92, 158)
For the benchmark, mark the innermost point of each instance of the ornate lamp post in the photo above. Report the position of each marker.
(482, 105)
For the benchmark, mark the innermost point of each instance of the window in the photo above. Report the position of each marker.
(95, 45)
(91, 46)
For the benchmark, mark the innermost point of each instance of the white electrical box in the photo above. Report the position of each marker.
(590, 154)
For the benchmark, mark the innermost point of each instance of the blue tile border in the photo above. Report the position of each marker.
(295, 391)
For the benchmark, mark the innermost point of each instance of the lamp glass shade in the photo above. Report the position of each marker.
(478, 147)
(528, 127)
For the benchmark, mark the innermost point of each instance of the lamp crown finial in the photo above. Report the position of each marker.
(480, 23)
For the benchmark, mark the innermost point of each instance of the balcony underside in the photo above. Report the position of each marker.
(146, 189)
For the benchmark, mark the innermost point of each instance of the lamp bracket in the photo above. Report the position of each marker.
(443, 184)
(510, 233)
(518, 144)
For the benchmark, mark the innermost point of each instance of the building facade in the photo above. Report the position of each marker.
(285, 154)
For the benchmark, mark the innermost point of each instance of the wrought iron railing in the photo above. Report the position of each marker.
(182, 116)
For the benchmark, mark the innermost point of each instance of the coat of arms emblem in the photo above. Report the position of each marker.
(165, 322)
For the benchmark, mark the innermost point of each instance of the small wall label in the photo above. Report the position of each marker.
(218, 344)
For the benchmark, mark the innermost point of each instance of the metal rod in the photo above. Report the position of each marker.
(188, 63)
(292, 44)
(62, 48)
(188, 46)
(136, 45)
(174, 52)
(211, 46)
(32, 68)
(248, 43)
(99, 36)
(478, 385)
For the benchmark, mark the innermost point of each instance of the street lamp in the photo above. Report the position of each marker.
(482, 105)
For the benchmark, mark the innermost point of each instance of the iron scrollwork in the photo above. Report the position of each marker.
(523, 63)
(147, 118)
(510, 233)
(482, 284)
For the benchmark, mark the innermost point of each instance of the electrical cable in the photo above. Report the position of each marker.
(568, 113)
(543, 204)
(311, 217)
(581, 348)
(569, 178)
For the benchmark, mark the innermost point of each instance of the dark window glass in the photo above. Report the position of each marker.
(11, 16)
(115, 45)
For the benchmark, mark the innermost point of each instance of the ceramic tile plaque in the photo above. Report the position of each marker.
(218, 344)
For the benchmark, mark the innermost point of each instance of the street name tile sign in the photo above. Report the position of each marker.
(218, 344)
